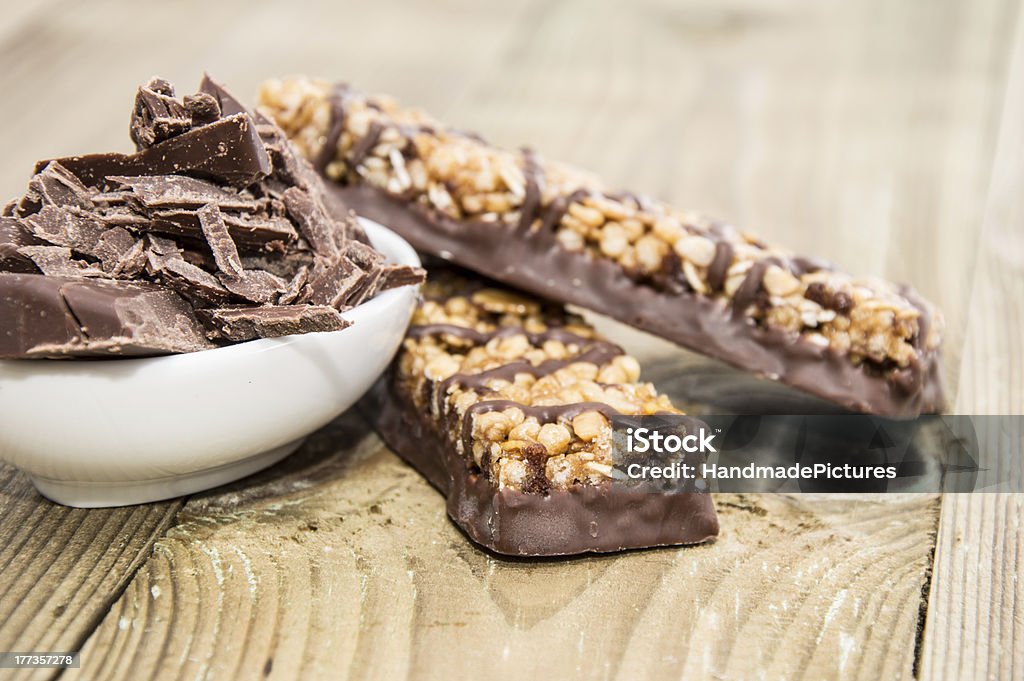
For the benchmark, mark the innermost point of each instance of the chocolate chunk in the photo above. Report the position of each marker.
(13, 236)
(193, 283)
(227, 102)
(54, 185)
(203, 108)
(227, 151)
(248, 230)
(817, 292)
(34, 319)
(295, 286)
(120, 254)
(178, 191)
(842, 302)
(66, 227)
(157, 115)
(225, 254)
(122, 248)
(44, 316)
(271, 321)
(363, 255)
(315, 225)
(393, 276)
(254, 285)
(58, 261)
(333, 283)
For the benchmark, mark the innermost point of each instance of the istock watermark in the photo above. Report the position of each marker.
(849, 453)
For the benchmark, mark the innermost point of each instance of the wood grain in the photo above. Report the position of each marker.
(340, 562)
(861, 131)
(974, 626)
(62, 568)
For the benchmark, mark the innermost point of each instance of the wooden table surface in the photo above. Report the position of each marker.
(884, 135)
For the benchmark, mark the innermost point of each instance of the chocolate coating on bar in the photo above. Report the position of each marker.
(584, 519)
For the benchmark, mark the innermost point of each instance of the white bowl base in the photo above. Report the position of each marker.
(105, 494)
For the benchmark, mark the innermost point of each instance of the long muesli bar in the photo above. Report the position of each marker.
(504, 404)
(553, 230)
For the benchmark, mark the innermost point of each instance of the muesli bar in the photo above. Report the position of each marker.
(505, 405)
(555, 231)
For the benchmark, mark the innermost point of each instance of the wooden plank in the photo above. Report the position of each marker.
(340, 562)
(62, 568)
(973, 629)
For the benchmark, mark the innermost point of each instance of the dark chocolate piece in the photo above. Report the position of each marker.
(58, 261)
(54, 185)
(157, 115)
(228, 151)
(314, 224)
(128, 247)
(13, 236)
(178, 191)
(225, 254)
(46, 316)
(244, 229)
(247, 323)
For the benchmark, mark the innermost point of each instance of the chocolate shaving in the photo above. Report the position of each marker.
(157, 115)
(332, 284)
(57, 261)
(314, 223)
(178, 191)
(247, 323)
(14, 236)
(225, 254)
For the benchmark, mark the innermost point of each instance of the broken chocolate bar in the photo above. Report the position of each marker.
(555, 231)
(214, 231)
(55, 317)
(504, 404)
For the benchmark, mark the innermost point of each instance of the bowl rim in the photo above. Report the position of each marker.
(395, 249)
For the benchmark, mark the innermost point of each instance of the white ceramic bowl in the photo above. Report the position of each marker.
(128, 431)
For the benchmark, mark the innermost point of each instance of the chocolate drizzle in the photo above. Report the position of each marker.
(334, 129)
(719, 267)
(556, 211)
(533, 174)
(475, 336)
(366, 143)
(543, 414)
(748, 290)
